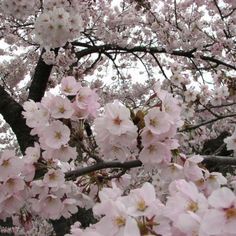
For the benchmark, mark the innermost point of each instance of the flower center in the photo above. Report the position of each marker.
(153, 122)
(11, 182)
(151, 148)
(57, 135)
(52, 176)
(120, 221)
(62, 109)
(192, 206)
(230, 213)
(5, 163)
(68, 90)
(141, 206)
(117, 120)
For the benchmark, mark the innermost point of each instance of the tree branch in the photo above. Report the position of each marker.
(211, 159)
(117, 49)
(102, 165)
(219, 160)
(216, 106)
(40, 79)
(206, 122)
(11, 112)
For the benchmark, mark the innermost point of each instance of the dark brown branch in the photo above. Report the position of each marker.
(206, 122)
(144, 65)
(217, 106)
(39, 80)
(230, 13)
(102, 165)
(11, 112)
(209, 110)
(219, 160)
(110, 48)
(160, 66)
(223, 160)
(217, 62)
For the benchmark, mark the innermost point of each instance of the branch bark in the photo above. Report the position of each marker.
(40, 79)
(206, 122)
(117, 49)
(11, 112)
(102, 165)
(211, 159)
(219, 160)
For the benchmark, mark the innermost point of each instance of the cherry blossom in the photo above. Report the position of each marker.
(157, 121)
(221, 217)
(56, 135)
(69, 86)
(61, 108)
(54, 178)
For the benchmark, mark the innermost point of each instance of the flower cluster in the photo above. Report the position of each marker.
(50, 197)
(18, 8)
(161, 123)
(41, 116)
(219, 95)
(11, 184)
(187, 211)
(115, 132)
(63, 26)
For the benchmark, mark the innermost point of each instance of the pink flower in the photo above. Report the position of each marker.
(155, 154)
(221, 219)
(10, 165)
(148, 137)
(213, 181)
(157, 121)
(61, 108)
(28, 171)
(106, 196)
(36, 114)
(117, 119)
(56, 135)
(69, 207)
(87, 99)
(14, 185)
(64, 153)
(54, 178)
(38, 188)
(191, 169)
(170, 105)
(50, 207)
(69, 86)
(116, 222)
(77, 231)
(172, 172)
(116, 152)
(141, 201)
(12, 203)
(32, 154)
(115, 132)
(190, 95)
(191, 206)
(79, 113)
